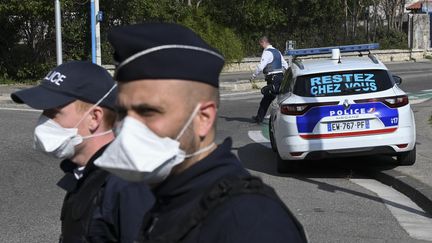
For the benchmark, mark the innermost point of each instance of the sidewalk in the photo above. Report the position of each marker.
(229, 83)
(415, 181)
(232, 82)
(6, 90)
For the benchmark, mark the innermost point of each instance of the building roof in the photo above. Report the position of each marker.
(417, 5)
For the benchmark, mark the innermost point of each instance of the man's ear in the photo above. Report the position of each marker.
(96, 118)
(206, 118)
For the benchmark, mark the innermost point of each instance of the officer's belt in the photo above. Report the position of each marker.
(275, 72)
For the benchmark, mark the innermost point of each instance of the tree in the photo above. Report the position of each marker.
(27, 38)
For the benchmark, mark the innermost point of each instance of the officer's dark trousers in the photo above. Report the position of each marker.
(268, 98)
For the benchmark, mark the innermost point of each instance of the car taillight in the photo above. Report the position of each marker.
(300, 109)
(392, 102)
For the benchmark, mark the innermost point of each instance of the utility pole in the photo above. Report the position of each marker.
(290, 45)
(93, 29)
(98, 39)
(96, 17)
(59, 50)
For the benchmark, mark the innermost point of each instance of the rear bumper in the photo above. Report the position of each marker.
(346, 146)
(383, 150)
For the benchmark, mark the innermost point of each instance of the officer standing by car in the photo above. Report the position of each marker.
(272, 64)
(77, 99)
(168, 102)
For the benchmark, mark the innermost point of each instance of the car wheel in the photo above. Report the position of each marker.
(285, 166)
(407, 158)
(272, 141)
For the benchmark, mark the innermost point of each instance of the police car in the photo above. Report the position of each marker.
(340, 106)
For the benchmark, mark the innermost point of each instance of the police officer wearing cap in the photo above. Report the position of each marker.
(168, 101)
(272, 64)
(77, 99)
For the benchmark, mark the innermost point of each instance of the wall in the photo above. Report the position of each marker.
(249, 64)
(419, 31)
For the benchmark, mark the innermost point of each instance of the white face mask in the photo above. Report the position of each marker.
(59, 142)
(138, 154)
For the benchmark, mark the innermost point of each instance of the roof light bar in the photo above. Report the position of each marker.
(328, 50)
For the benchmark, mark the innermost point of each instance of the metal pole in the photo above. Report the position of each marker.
(98, 39)
(93, 29)
(290, 46)
(59, 50)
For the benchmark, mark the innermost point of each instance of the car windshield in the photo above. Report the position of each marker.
(342, 83)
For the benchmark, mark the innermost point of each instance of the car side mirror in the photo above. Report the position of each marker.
(397, 80)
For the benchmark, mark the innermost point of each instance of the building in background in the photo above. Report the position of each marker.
(419, 24)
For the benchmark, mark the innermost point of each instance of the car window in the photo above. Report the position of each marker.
(342, 83)
(286, 82)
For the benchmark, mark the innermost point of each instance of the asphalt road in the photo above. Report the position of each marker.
(322, 194)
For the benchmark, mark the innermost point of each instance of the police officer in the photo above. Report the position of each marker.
(272, 64)
(77, 99)
(168, 101)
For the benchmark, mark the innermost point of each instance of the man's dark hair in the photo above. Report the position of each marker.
(264, 39)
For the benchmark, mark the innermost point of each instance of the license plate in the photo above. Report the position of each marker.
(348, 126)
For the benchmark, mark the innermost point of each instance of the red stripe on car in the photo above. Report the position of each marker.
(348, 134)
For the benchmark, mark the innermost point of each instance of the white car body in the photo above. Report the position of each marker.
(351, 124)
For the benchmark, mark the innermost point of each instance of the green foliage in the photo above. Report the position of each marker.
(218, 36)
(27, 32)
(249, 19)
(26, 38)
(392, 39)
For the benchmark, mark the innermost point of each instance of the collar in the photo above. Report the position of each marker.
(269, 47)
(201, 175)
(69, 182)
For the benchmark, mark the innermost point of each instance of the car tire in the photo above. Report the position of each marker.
(286, 166)
(407, 158)
(272, 141)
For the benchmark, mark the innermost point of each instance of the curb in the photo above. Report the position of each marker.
(5, 99)
(417, 191)
(241, 85)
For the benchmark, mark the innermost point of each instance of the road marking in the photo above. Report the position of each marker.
(19, 109)
(410, 216)
(419, 96)
(258, 137)
(417, 101)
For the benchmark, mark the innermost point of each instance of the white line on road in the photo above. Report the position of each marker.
(19, 109)
(258, 137)
(418, 101)
(410, 216)
(246, 96)
(239, 93)
(417, 225)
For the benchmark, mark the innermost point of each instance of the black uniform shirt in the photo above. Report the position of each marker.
(247, 218)
(101, 207)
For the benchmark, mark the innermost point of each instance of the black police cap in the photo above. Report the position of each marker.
(164, 51)
(77, 80)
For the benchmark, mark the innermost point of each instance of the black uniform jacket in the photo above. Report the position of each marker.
(247, 218)
(101, 207)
